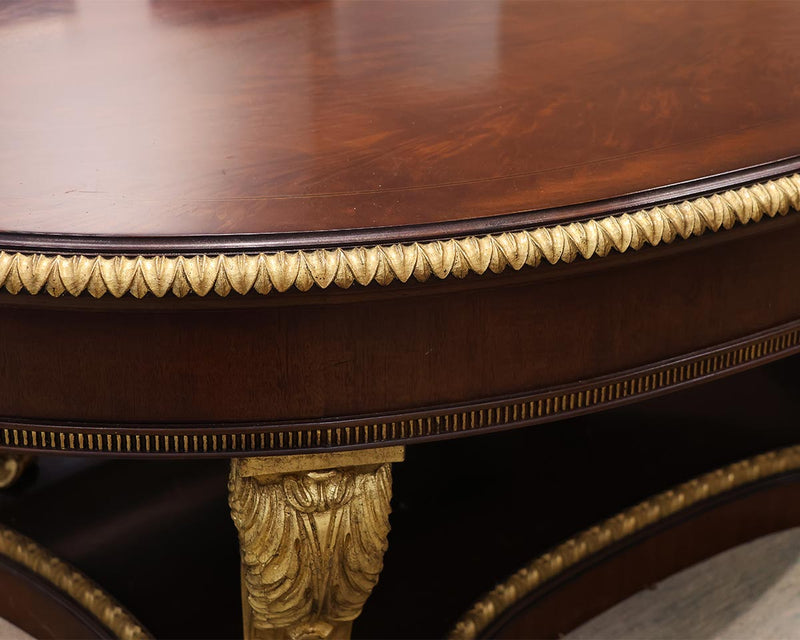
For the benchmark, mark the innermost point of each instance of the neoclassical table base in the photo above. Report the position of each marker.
(312, 531)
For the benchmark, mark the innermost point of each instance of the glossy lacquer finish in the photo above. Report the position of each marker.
(137, 117)
(139, 128)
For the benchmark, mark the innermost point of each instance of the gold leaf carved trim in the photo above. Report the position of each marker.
(548, 566)
(72, 582)
(302, 270)
(312, 545)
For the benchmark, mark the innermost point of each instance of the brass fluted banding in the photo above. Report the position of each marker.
(302, 270)
(546, 567)
(102, 606)
(593, 394)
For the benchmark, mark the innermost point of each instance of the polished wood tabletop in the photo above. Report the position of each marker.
(304, 235)
(231, 227)
(154, 118)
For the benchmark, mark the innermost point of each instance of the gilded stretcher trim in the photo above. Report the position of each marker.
(72, 582)
(236, 441)
(343, 267)
(548, 566)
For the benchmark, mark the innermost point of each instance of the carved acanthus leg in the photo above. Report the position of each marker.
(11, 467)
(312, 531)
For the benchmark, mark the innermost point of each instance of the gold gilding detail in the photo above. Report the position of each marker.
(11, 467)
(72, 582)
(548, 566)
(546, 406)
(261, 273)
(312, 542)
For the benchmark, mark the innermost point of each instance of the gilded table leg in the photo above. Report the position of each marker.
(11, 467)
(312, 532)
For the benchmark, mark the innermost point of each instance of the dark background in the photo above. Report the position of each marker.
(466, 513)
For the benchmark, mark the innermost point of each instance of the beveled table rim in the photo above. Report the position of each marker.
(56, 265)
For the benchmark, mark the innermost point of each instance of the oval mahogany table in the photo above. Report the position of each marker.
(304, 235)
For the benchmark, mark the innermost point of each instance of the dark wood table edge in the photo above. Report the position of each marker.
(492, 253)
(224, 440)
(748, 486)
(51, 582)
(60, 243)
(375, 292)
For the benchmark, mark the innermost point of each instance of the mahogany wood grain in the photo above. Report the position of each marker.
(151, 118)
(606, 578)
(315, 362)
(159, 127)
(39, 609)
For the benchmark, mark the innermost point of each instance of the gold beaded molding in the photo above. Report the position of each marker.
(625, 524)
(263, 272)
(72, 582)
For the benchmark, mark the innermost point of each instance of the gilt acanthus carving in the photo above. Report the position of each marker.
(312, 546)
(263, 272)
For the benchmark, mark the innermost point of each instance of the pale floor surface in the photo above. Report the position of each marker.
(750, 592)
(9, 632)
